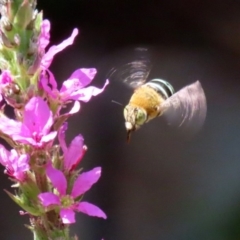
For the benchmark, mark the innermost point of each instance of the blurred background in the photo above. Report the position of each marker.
(163, 185)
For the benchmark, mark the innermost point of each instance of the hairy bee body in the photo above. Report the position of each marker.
(186, 108)
(148, 99)
(145, 103)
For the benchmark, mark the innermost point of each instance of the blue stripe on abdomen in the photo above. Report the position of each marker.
(162, 87)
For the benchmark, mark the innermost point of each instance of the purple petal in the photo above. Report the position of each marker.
(48, 57)
(44, 35)
(32, 140)
(85, 75)
(79, 79)
(48, 83)
(61, 136)
(21, 162)
(37, 116)
(75, 108)
(67, 216)
(9, 126)
(4, 155)
(36, 143)
(90, 210)
(48, 199)
(85, 181)
(86, 94)
(52, 80)
(57, 178)
(49, 137)
(18, 165)
(5, 78)
(74, 152)
(69, 88)
(26, 139)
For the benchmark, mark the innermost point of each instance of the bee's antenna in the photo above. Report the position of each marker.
(113, 101)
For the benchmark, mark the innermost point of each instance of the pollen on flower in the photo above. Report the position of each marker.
(67, 201)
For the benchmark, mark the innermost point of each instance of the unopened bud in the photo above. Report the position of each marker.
(31, 24)
(15, 88)
(5, 24)
(35, 64)
(40, 158)
(24, 15)
(6, 42)
(10, 10)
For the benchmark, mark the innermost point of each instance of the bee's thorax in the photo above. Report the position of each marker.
(148, 99)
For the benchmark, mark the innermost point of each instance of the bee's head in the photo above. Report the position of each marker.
(134, 118)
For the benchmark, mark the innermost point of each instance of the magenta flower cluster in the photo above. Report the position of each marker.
(38, 123)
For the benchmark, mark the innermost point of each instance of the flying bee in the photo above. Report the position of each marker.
(186, 107)
(146, 103)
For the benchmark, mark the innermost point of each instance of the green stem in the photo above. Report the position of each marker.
(41, 180)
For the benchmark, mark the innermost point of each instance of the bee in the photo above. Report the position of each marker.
(150, 99)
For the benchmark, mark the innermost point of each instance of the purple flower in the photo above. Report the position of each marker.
(44, 35)
(44, 41)
(16, 165)
(35, 128)
(74, 87)
(75, 152)
(65, 201)
(5, 80)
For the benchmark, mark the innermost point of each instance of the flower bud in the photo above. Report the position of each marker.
(6, 41)
(23, 15)
(27, 199)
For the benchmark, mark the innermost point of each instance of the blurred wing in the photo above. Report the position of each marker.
(187, 107)
(133, 73)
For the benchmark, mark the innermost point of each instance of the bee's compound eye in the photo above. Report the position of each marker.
(141, 117)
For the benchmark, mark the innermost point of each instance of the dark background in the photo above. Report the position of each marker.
(163, 185)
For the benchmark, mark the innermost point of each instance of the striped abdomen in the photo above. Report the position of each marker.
(164, 88)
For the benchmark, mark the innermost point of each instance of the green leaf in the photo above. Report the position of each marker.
(21, 201)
